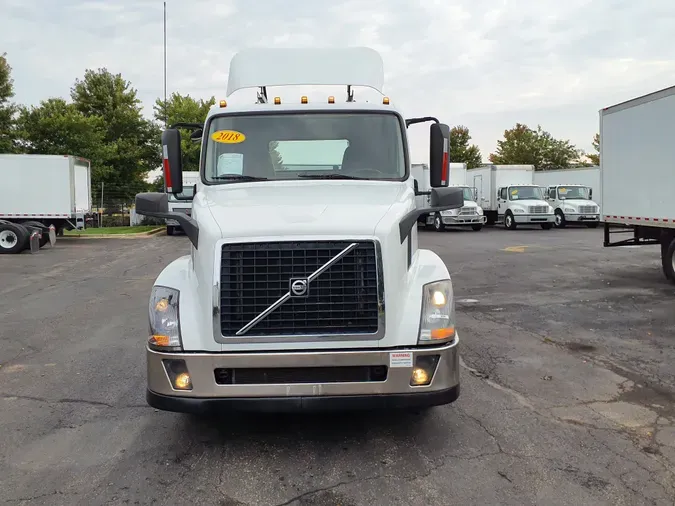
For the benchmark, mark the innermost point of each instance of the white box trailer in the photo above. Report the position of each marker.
(586, 176)
(508, 195)
(457, 174)
(45, 191)
(637, 180)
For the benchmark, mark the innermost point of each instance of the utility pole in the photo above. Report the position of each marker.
(166, 120)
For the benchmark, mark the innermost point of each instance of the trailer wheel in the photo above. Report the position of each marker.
(560, 221)
(45, 237)
(13, 238)
(668, 259)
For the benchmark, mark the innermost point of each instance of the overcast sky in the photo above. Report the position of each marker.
(486, 64)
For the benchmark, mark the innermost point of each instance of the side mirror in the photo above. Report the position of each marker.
(475, 194)
(416, 186)
(439, 158)
(172, 161)
(446, 198)
(590, 193)
(152, 203)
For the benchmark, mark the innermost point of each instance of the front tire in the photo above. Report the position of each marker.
(438, 223)
(477, 228)
(593, 224)
(509, 221)
(559, 219)
(547, 226)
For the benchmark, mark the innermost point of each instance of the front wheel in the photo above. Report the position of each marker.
(509, 221)
(477, 228)
(559, 219)
(547, 226)
(438, 223)
(593, 224)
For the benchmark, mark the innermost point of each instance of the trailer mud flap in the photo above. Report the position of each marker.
(34, 241)
(52, 235)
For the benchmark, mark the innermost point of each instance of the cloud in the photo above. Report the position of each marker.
(486, 64)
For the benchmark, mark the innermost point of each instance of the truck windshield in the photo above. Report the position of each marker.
(304, 146)
(574, 192)
(188, 192)
(468, 193)
(525, 193)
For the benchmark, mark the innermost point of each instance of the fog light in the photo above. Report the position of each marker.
(423, 372)
(178, 375)
(419, 377)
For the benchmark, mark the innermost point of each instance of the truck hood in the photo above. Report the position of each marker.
(578, 202)
(301, 207)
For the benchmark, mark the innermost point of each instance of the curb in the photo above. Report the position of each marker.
(141, 235)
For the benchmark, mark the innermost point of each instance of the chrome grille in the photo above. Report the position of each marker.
(341, 300)
(467, 211)
(538, 209)
(588, 209)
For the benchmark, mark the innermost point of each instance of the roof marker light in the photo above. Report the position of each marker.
(277, 100)
(223, 103)
(303, 100)
(331, 99)
(385, 100)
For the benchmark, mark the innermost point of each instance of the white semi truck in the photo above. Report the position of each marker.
(182, 203)
(304, 288)
(45, 194)
(470, 215)
(637, 177)
(508, 195)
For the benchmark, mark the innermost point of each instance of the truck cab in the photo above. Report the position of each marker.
(573, 203)
(523, 204)
(182, 202)
(469, 215)
(304, 287)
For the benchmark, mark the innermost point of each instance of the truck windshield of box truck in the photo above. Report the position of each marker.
(525, 193)
(574, 192)
(241, 148)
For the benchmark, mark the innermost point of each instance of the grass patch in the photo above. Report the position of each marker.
(112, 230)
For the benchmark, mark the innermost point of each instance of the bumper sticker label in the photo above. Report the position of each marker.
(401, 359)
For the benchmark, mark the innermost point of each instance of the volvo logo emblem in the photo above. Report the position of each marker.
(299, 287)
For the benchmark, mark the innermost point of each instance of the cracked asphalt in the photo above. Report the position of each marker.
(568, 382)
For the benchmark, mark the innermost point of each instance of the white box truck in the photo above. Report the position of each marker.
(305, 287)
(508, 195)
(573, 193)
(636, 173)
(470, 215)
(43, 191)
(182, 203)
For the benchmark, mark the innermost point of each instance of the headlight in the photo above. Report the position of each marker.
(164, 323)
(550, 210)
(449, 212)
(437, 324)
(480, 210)
(569, 210)
(518, 210)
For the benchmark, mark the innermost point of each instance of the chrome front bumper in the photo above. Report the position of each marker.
(207, 395)
(471, 219)
(582, 217)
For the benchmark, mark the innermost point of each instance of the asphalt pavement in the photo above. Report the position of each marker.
(568, 389)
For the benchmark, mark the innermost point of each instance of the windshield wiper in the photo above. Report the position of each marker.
(239, 177)
(329, 176)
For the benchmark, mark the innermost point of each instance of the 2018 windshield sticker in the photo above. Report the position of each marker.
(514, 192)
(562, 191)
(228, 137)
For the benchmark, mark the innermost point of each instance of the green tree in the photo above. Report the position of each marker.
(460, 149)
(131, 141)
(184, 109)
(7, 108)
(523, 145)
(595, 157)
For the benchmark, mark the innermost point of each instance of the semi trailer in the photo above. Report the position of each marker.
(45, 194)
(637, 180)
(304, 288)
